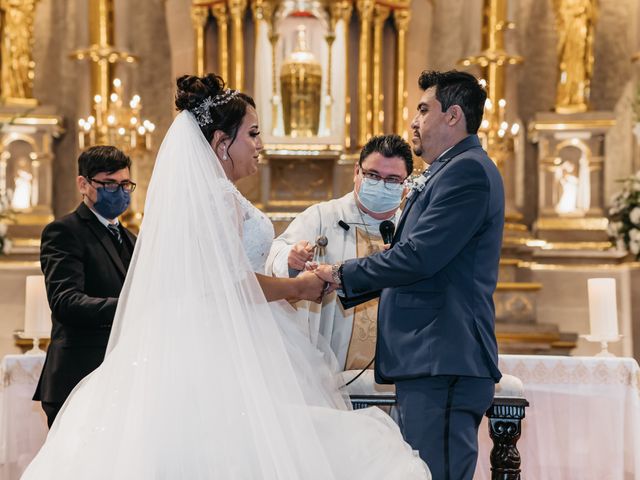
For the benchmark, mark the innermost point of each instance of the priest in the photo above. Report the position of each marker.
(342, 229)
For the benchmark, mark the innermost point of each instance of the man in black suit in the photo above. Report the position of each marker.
(84, 258)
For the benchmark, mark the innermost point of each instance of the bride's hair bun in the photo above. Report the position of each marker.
(192, 90)
(226, 115)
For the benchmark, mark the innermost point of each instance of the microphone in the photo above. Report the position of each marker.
(387, 229)
(344, 225)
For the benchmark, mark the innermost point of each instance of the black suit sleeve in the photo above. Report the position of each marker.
(61, 258)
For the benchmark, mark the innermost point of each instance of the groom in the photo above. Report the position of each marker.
(436, 336)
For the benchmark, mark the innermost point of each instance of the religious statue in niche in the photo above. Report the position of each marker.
(575, 21)
(21, 196)
(573, 191)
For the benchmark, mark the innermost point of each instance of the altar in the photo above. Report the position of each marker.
(583, 421)
(23, 425)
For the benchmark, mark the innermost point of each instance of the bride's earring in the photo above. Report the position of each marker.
(224, 153)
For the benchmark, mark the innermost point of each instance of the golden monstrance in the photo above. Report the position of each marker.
(300, 84)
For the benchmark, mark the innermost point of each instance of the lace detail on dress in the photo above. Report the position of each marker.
(257, 229)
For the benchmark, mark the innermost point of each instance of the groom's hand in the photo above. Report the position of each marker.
(324, 271)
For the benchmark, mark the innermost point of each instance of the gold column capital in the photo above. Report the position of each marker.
(401, 18)
(237, 7)
(341, 10)
(199, 15)
(380, 13)
(262, 10)
(219, 12)
(365, 7)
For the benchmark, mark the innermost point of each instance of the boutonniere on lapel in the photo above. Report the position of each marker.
(416, 183)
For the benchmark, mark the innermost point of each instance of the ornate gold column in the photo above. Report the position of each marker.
(263, 11)
(402, 18)
(380, 15)
(101, 34)
(103, 55)
(273, 40)
(219, 12)
(493, 41)
(16, 66)
(365, 8)
(236, 10)
(494, 59)
(328, 100)
(342, 10)
(199, 17)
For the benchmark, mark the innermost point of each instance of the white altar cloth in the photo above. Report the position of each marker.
(23, 425)
(583, 421)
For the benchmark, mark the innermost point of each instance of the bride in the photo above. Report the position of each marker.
(203, 379)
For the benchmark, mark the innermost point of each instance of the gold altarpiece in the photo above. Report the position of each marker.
(571, 141)
(320, 96)
(27, 131)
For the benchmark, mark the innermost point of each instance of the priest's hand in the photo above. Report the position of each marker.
(299, 255)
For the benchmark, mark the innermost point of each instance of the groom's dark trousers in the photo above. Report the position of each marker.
(436, 319)
(438, 414)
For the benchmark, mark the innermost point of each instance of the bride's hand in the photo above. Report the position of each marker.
(309, 287)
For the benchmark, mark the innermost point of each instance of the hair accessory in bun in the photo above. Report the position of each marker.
(203, 111)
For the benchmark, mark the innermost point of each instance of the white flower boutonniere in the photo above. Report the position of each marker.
(416, 184)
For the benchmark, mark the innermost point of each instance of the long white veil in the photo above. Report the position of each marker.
(197, 382)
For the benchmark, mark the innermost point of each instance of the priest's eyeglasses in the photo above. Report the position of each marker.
(389, 182)
(111, 187)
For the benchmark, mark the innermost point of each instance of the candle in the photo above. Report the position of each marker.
(37, 315)
(603, 312)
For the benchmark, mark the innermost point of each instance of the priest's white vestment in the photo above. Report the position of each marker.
(328, 320)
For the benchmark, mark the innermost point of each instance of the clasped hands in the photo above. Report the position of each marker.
(314, 289)
(315, 280)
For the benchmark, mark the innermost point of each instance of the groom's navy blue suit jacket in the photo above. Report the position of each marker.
(436, 313)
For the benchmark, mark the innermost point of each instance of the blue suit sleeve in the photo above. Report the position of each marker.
(454, 214)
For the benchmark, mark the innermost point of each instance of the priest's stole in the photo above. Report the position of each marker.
(362, 346)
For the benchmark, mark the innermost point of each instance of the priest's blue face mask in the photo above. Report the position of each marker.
(378, 195)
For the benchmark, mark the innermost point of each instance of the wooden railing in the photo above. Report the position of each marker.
(505, 419)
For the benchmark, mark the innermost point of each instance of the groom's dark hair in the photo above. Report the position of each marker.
(457, 88)
(102, 158)
(388, 146)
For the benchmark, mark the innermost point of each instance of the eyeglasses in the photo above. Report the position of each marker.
(374, 178)
(111, 187)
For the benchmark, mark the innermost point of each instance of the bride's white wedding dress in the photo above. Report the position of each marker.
(202, 378)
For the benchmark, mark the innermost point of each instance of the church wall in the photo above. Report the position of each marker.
(64, 83)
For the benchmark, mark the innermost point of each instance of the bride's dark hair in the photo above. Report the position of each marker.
(227, 117)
